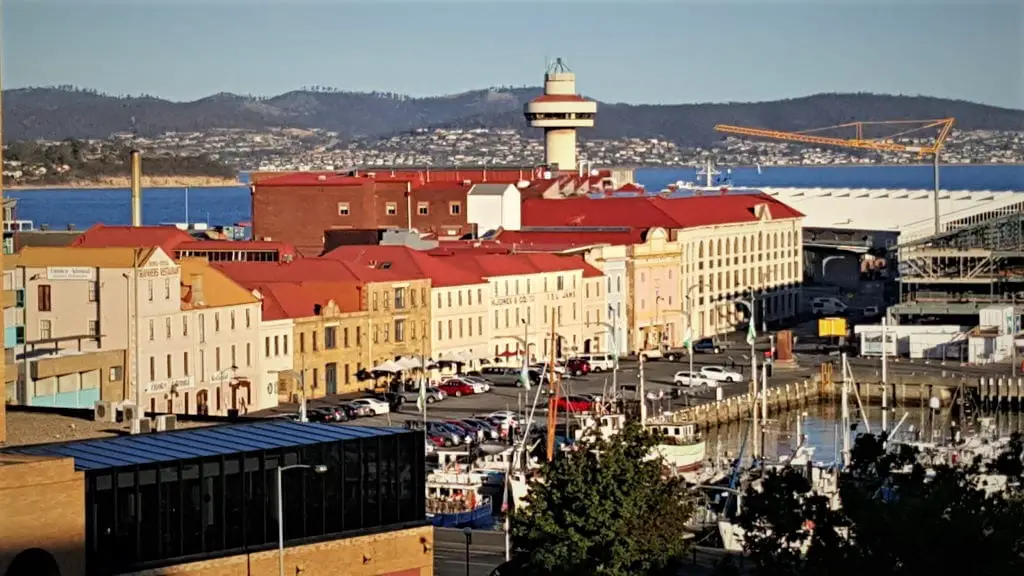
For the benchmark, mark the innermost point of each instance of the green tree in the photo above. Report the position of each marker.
(604, 509)
(897, 518)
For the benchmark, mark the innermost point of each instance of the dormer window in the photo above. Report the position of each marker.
(342, 209)
(391, 208)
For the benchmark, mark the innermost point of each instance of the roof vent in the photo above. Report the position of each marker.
(372, 263)
(371, 174)
(467, 182)
(322, 178)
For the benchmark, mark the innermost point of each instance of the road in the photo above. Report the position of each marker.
(486, 552)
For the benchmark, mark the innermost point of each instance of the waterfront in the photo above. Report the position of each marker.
(226, 205)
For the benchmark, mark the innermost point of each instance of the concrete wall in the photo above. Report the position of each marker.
(42, 505)
(349, 355)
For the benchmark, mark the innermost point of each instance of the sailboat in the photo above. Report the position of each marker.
(708, 179)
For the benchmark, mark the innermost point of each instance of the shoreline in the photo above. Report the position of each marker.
(148, 182)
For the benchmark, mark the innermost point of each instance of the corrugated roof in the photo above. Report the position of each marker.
(302, 269)
(489, 189)
(142, 449)
(557, 240)
(218, 289)
(298, 299)
(406, 262)
(103, 236)
(651, 212)
(118, 257)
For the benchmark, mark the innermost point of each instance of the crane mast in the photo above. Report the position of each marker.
(884, 143)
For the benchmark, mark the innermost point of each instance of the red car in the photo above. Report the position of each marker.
(455, 387)
(574, 404)
(577, 367)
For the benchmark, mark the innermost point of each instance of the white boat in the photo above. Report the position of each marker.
(682, 448)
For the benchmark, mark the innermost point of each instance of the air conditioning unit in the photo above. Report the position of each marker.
(129, 412)
(166, 422)
(142, 426)
(104, 411)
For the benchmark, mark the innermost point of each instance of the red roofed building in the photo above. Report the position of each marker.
(396, 302)
(181, 244)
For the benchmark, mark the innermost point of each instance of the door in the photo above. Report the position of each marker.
(331, 376)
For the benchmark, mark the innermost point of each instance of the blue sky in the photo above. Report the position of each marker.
(622, 50)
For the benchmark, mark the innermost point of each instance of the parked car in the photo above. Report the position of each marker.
(435, 394)
(578, 366)
(491, 432)
(442, 435)
(720, 374)
(376, 405)
(686, 378)
(464, 436)
(327, 414)
(457, 388)
(599, 362)
(475, 431)
(357, 410)
(574, 404)
(430, 447)
(480, 385)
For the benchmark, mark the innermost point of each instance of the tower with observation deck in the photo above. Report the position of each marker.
(560, 111)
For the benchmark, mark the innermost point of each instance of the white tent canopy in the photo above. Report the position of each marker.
(389, 366)
(413, 363)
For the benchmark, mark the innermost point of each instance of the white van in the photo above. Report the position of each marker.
(827, 306)
(599, 362)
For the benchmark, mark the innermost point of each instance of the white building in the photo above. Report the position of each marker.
(493, 206)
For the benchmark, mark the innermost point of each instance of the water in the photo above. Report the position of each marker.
(821, 426)
(83, 208)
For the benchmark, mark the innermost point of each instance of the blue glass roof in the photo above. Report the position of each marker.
(199, 442)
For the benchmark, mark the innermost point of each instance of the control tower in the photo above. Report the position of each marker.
(560, 111)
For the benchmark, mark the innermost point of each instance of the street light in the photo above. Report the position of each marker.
(319, 469)
(688, 303)
(468, 533)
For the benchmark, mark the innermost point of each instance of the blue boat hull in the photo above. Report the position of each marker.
(479, 518)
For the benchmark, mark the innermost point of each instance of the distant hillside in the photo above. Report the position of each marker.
(58, 113)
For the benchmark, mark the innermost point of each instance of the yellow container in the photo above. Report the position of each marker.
(831, 327)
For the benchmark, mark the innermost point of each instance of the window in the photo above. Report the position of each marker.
(412, 331)
(480, 325)
(167, 327)
(399, 330)
(343, 209)
(440, 330)
(152, 368)
(344, 337)
(216, 358)
(248, 318)
(152, 330)
(43, 295)
(149, 290)
(330, 337)
(284, 343)
(399, 298)
(234, 358)
(391, 208)
(277, 346)
(316, 341)
(93, 291)
(202, 328)
(45, 330)
(387, 333)
(374, 301)
(184, 364)
(170, 369)
(266, 347)
(455, 208)
(302, 342)
(449, 329)
(94, 328)
(423, 208)
(412, 298)
(248, 354)
(184, 325)
(231, 316)
(167, 288)
(560, 285)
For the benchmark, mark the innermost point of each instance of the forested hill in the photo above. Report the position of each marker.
(65, 112)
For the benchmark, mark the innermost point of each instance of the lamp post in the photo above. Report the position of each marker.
(468, 533)
(657, 316)
(688, 303)
(753, 360)
(319, 469)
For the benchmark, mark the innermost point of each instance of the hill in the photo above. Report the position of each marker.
(58, 113)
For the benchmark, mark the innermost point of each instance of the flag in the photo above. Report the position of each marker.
(524, 374)
(688, 340)
(751, 332)
(421, 399)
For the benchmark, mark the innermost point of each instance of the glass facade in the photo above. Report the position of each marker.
(187, 510)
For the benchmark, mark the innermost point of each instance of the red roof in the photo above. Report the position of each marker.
(488, 265)
(252, 274)
(559, 98)
(407, 262)
(312, 179)
(103, 236)
(299, 299)
(650, 212)
(558, 240)
(630, 187)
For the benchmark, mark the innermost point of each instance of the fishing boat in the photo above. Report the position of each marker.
(682, 448)
(459, 500)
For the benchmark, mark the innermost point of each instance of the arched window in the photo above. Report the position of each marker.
(700, 249)
(33, 562)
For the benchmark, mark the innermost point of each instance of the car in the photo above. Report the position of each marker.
(376, 406)
(457, 388)
(480, 385)
(357, 410)
(474, 431)
(685, 378)
(574, 404)
(706, 346)
(720, 374)
(600, 362)
(463, 435)
(578, 366)
(429, 447)
(435, 394)
(442, 435)
(491, 432)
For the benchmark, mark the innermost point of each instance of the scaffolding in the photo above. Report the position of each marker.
(959, 271)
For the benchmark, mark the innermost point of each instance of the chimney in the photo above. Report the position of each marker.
(136, 165)
(197, 290)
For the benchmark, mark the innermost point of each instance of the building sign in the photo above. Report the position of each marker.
(158, 272)
(510, 300)
(222, 376)
(167, 385)
(562, 296)
(70, 273)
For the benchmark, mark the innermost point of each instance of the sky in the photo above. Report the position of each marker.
(672, 51)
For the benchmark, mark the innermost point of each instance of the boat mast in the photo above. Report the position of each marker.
(845, 421)
(553, 396)
(708, 176)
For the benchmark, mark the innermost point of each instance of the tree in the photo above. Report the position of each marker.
(604, 509)
(897, 518)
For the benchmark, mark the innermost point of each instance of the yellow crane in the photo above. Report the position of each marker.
(884, 142)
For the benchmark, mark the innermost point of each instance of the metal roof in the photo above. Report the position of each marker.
(152, 448)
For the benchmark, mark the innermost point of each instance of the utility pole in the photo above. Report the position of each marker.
(845, 421)
(552, 396)
(885, 372)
